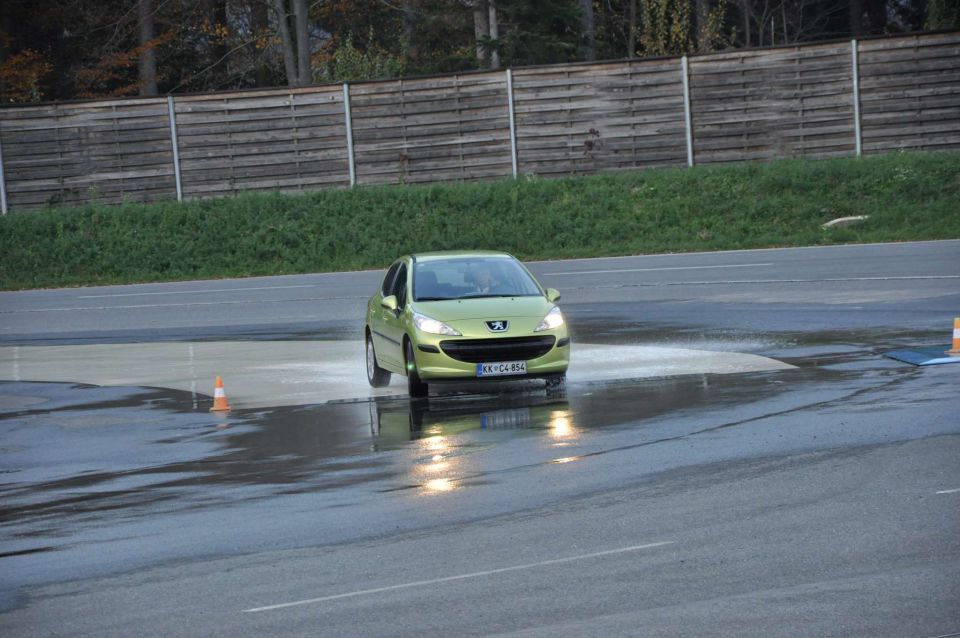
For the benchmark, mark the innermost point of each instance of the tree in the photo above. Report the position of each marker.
(586, 25)
(494, 34)
(261, 36)
(481, 30)
(67, 49)
(943, 14)
(539, 31)
(304, 75)
(351, 65)
(767, 22)
(148, 56)
(22, 75)
(665, 27)
(296, 42)
(710, 34)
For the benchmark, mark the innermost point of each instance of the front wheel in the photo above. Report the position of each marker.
(557, 386)
(376, 376)
(415, 386)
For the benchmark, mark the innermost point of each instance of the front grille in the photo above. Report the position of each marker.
(491, 350)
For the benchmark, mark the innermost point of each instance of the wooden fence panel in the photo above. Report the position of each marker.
(431, 129)
(570, 119)
(589, 118)
(73, 153)
(285, 140)
(910, 93)
(766, 104)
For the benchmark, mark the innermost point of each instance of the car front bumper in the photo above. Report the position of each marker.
(433, 364)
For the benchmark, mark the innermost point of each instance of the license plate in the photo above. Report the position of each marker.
(501, 369)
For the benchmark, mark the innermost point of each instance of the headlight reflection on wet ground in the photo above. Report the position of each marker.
(438, 485)
(562, 429)
(436, 447)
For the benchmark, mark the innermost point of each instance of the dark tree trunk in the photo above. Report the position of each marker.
(856, 18)
(586, 23)
(632, 29)
(745, 7)
(216, 14)
(286, 40)
(408, 22)
(260, 23)
(148, 55)
(303, 42)
(702, 15)
(481, 29)
(494, 33)
(877, 13)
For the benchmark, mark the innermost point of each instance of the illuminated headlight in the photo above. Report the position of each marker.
(553, 320)
(434, 327)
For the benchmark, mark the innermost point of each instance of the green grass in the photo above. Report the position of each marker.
(908, 196)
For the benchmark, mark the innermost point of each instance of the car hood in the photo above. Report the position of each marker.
(485, 308)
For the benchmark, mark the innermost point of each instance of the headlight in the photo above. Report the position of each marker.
(434, 327)
(553, 320)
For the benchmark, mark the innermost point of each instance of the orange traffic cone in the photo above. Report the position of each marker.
(955, 350)
(219, 397)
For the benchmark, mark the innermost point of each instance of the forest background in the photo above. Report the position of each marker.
(81, 49)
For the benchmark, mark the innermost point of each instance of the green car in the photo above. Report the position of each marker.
(456, 316)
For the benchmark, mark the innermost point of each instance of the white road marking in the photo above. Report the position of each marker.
(193, 292)
(598, 272)
(631, 285)
(447, 579)
(949, 491)
(763, 281)
(177, 305)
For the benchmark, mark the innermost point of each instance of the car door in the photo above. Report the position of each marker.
(378, 318)
(392, 321)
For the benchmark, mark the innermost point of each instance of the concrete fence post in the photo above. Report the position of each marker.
(857, 134)
(3, 182)
(349, 125)
(513, 122)
(172, 114)
(687, 117)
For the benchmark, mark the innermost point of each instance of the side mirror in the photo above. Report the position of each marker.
(553, 294)
(389, 302)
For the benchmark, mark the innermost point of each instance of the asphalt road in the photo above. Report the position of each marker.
(817, 501)
(813, 288)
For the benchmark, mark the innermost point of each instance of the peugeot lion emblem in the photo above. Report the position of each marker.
(497, 326)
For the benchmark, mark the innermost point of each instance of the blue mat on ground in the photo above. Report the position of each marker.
(931, 356)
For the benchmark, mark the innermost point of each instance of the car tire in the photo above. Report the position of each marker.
(376, 376)
(415, 386)
(556, 386)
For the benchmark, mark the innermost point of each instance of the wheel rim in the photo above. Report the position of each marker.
(371, 359)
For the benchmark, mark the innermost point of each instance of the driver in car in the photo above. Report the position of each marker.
(484, 280)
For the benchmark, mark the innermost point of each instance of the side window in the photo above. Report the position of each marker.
(400, 287)
(387, 284)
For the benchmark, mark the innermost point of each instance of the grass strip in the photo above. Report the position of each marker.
(908, 196)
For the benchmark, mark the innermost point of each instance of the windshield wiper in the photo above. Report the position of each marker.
(435, 298)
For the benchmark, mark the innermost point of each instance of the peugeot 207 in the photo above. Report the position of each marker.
(456, 316)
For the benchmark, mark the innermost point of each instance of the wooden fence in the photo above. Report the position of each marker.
(817, 100)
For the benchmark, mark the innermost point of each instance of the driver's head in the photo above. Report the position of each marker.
(482, 276)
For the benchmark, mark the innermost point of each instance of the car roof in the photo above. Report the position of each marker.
(457, 254)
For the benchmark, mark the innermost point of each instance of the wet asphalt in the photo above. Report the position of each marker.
(821, 500)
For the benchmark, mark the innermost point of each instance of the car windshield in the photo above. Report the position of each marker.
(471, 277)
